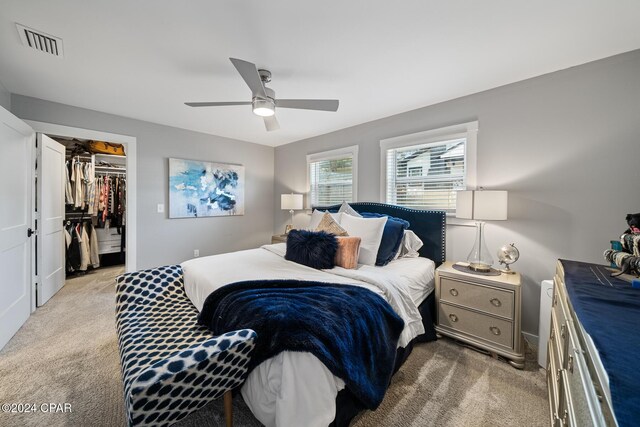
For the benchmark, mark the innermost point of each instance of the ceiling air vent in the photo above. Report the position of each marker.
(40, 41)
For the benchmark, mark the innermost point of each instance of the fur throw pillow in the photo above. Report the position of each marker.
(315, 249)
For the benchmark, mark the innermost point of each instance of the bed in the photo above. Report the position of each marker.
(296, 388)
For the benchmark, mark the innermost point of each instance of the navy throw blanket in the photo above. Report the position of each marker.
(353, 331)
(609, 310)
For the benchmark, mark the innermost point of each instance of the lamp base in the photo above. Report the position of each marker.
(479, 259)
(481, 268)
(288, 228)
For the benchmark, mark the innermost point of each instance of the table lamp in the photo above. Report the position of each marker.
(481, 205)
(290, 202)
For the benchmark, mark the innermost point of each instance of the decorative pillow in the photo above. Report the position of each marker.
(347, 253)
(409, 246)
(346, 208)
(311, 248)
(391, 237)
(330, 225)
(370, 231)
(316, 217)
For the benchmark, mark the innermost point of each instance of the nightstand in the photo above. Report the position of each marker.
(279, 238)
(483, 311)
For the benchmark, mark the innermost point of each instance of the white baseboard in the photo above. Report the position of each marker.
(531, 339)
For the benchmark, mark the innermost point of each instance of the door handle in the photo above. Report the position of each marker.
(31, 232)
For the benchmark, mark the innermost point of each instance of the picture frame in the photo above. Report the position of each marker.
(200, 188)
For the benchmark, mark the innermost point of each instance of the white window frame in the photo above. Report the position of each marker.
(467, 130)
(339, 153)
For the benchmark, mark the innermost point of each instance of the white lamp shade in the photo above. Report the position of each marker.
(482, 205)
(291, 202)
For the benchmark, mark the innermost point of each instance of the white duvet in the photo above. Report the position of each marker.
(295, 388)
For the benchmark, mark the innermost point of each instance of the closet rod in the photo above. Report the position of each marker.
(110, 168)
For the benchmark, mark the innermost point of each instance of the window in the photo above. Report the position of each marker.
(424, 170)
(332, 176)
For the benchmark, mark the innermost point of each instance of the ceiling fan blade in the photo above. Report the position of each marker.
(249, 73)
(309, 104)
(271, 123)
(215, 104)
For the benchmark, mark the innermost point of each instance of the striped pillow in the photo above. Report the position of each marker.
(329, 225)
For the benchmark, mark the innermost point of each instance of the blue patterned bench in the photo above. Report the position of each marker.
(171, 366)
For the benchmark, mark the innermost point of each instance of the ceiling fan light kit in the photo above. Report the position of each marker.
(263, 100)
(263, 107)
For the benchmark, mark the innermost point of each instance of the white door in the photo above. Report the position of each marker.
(16, 142)
(50, 253)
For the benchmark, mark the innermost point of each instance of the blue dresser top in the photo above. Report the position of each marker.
(609, 310)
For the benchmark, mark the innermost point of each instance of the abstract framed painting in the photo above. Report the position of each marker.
(204, 189)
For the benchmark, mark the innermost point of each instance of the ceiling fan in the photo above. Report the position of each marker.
(263, 99)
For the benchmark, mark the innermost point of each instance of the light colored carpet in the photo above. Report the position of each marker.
(67, 353)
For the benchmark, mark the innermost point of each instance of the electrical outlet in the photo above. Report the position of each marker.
(196, 253)
(160, 208)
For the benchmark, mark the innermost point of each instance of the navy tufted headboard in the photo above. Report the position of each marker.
(429, 226)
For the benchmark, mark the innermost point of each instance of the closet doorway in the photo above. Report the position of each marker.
(85, 205)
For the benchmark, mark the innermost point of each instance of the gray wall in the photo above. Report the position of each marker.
(5, 98)
(566, 145)
(167, 241)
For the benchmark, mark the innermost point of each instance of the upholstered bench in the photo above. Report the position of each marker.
(171, 366)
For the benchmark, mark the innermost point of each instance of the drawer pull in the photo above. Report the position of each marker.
(496, 302)
(454, 292)
(495, 330)
(453, 317)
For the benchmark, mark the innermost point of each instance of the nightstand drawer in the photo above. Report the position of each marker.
(479, 297)
(476, 325)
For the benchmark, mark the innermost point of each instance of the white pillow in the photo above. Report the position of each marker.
(409, 246)
(370, 232)
(346, 208)
(316, 217)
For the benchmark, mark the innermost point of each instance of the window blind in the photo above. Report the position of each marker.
(331, 181)
(427, 176)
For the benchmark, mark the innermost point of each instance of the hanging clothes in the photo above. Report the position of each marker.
(77, 177)
(68, 192)
(80, 184)
(94, 257)
(73, 249)
(89, 187)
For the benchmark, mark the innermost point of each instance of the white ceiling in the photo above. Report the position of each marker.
(144, 58)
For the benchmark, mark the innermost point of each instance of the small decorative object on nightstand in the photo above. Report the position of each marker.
(483, 311)
(279, 238)
(507, 255)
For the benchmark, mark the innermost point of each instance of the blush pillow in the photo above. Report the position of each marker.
(391, 237)
(311, 248)
(347, 253)
(370, 231)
